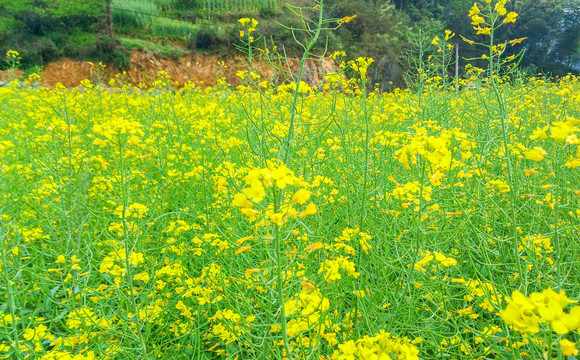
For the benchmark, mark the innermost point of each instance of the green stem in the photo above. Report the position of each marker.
(10, 296)
(557, 243)
(280, 281)
(128, 249)
(290, 135)
(364, 198)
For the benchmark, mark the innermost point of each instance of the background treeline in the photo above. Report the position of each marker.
(44, 30)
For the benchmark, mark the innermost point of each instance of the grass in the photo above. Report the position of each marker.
(173, 29)
(163, 50)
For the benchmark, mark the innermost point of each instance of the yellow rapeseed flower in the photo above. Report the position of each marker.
(510, 17)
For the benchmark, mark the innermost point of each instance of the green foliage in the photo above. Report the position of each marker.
(135, 13)
(382, 29)
(7, 24)
(173, 29)
(212, 37)
(68, 8)
(567, 50)
(548, 26)
(138, 44)
(187, 5)
(379, 30)
(149, 222)
(83, 39)
(41, 51)
(237, 5)
(108, 53)
(53, 8)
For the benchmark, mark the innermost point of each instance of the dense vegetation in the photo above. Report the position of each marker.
(163, 224)
(44, 30)
(279, 220)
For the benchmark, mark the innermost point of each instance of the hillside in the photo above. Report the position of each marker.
(114, 31)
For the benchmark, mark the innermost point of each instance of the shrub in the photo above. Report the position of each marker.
(211, 37)
(7, 24)
(40, 51)
(36, 23)
(116, 55)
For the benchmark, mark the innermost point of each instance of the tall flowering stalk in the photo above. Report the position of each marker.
(13, 58)
(487, 21)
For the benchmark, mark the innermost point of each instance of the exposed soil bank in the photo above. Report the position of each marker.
(199, 68)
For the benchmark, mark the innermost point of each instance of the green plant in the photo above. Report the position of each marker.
(172, 29)
(116, 55)
(230, 5)
(138, 44)
(210, 37)
(137, 13)
(145, 220)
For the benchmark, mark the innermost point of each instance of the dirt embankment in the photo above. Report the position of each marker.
(9, 75)
(201, 69)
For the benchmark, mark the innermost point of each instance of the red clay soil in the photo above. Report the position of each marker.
(65, 71)
(9, 75)
(201, 69)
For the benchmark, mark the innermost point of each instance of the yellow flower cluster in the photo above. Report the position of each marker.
(249, 26)
(484, 292)
(536, 154)
(378, 347)
(263, 181)
(65, 355)
(306, 310)
(526, 313)
(483, 26)
(435, 149)
(345, 19)
(347, 236)
(412, 192)
(360, 65)
(135, 210)
(563, 132)
(227, 325)
(331, 269)
(118, 130)
(428, 256)
(13, 55)
(537, 243)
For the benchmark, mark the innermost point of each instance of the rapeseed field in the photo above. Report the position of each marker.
(290, 221)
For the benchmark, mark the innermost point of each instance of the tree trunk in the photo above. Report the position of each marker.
(110, 23)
